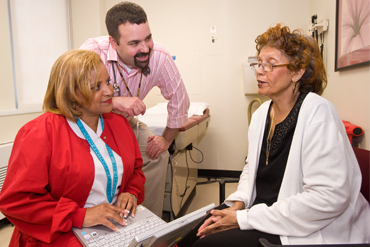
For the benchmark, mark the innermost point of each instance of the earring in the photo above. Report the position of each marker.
(294, 85)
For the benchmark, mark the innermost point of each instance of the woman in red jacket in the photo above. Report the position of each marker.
(76, 165)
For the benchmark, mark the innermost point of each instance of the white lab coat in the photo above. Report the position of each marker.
(319, 200)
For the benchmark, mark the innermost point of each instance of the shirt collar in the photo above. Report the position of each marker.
(113, 57)
(92, 134)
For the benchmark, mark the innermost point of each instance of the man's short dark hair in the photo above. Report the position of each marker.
(120, 14)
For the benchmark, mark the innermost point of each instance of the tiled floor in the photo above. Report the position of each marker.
(205, 194)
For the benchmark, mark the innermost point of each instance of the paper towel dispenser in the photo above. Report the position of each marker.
(250, 86)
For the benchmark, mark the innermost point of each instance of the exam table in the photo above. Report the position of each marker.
(182, 172)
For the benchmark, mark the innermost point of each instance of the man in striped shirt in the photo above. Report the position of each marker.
(137, 64)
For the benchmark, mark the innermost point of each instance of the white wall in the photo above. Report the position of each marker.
(6, 85)
(9, 122)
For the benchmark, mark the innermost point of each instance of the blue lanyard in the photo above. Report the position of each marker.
(110, 191)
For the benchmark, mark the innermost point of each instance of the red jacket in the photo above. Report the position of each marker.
(50, 175)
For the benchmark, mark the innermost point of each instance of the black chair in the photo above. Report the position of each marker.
(222, 183)
(264, 243)
(363, 158)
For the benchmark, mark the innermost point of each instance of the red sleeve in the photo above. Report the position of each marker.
(25, 198)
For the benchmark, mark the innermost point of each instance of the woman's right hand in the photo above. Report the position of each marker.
(99, 215)
(215, 218)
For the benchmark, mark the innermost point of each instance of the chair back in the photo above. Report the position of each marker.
(363, 158)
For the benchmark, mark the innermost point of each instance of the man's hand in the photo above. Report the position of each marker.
(132, 106)
(157, 144)
(99, 215)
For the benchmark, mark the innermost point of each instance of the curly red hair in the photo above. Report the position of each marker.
(302, 52)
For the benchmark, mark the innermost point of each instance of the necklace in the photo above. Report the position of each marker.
(111, 189)
(123, 79)
(268, 146)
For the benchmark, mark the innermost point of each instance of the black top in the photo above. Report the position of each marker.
(269, 177)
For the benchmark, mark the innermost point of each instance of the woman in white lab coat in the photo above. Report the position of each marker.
(301, 183)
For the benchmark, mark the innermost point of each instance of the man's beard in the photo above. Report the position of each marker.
(142, 65)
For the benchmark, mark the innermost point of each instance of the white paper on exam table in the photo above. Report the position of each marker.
(156, 117)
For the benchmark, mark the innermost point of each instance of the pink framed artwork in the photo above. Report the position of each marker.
(352, 41)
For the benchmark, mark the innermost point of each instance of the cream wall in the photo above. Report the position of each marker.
(221, 85)
(348, 90)
(212, 72)
(87, 20)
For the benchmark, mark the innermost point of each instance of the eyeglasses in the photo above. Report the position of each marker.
(267, 67)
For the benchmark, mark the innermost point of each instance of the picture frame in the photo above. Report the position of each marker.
(352, 42)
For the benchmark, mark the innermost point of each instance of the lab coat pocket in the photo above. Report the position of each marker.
(32, 242)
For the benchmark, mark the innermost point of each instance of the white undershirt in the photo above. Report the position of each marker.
(98, 193)
(127, 67)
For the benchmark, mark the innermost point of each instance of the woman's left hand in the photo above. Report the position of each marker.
(128, 202)
(220, 220)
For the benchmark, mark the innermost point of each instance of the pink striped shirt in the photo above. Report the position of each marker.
(163, 74)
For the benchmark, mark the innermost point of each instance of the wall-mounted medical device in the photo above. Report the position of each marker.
(317, 30)
(318, 27)
(352, 130)
(250, 86)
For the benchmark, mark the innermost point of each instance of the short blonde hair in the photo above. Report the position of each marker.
(70, 72)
